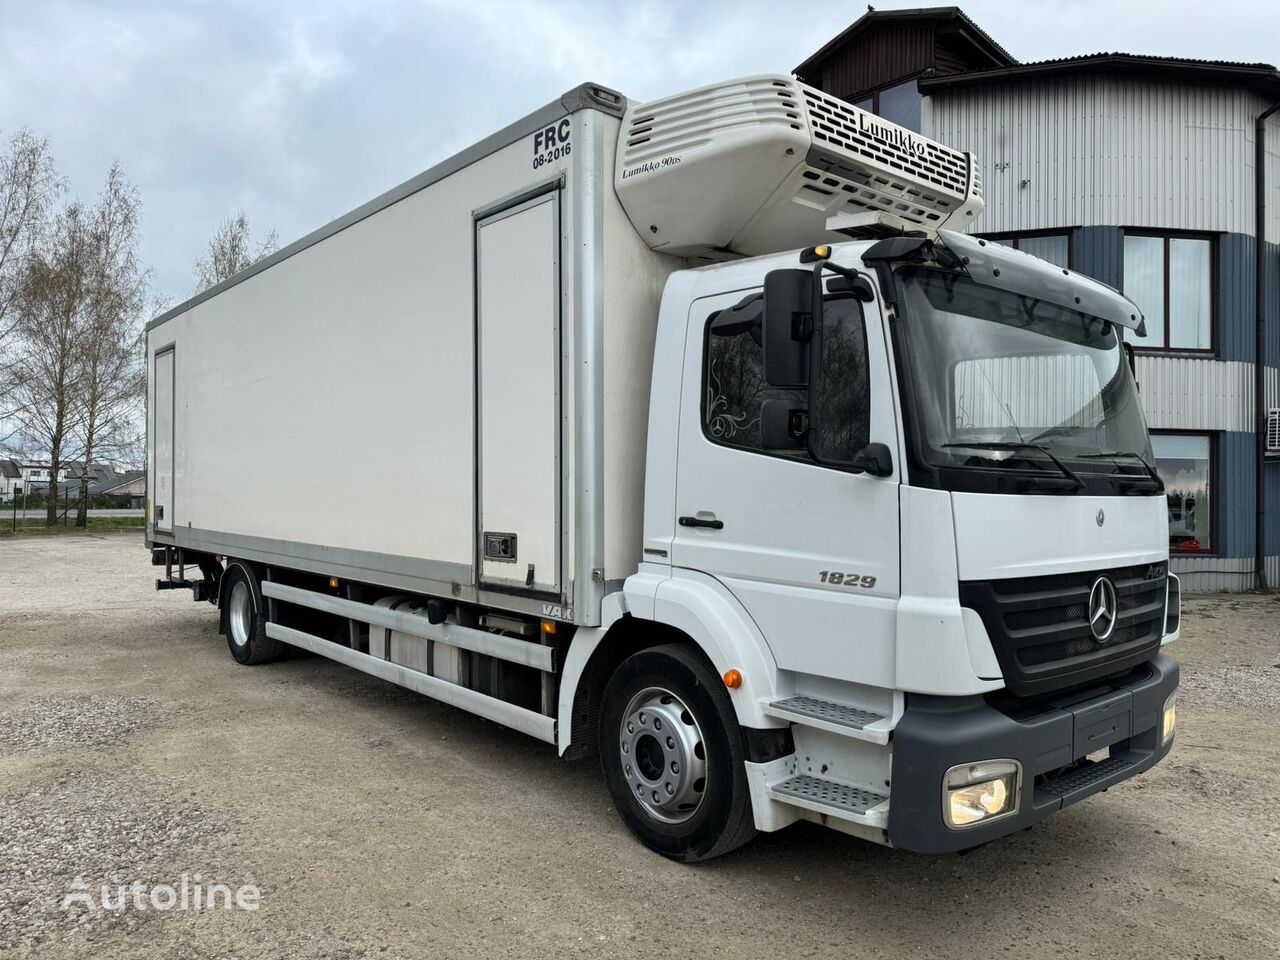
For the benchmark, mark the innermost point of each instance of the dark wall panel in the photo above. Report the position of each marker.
(875, 59)
(1236, 507)
(1236, 314)
(1098, 252)
(1234, 511)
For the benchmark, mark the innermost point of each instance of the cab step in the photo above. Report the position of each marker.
(833, 799)
(834, 717)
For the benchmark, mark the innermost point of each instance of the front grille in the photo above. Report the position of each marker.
(1039, 626)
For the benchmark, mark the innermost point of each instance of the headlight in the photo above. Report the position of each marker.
(974, 793)
(1170, 719)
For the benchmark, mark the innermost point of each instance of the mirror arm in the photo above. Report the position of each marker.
(817, 310)
(860, 463)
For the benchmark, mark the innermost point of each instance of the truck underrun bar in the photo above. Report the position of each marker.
(523, 652)
(499, 711)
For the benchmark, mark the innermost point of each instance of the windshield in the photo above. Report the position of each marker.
(1006, 381)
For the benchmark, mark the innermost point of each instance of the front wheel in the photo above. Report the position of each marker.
(672, 755)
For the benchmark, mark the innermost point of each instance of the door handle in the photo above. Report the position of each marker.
(700, 522)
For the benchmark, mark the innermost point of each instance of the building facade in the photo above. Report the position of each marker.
(1138, 171)
(10, 477)
(37, 474)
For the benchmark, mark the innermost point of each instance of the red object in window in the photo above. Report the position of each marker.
(1187, 546)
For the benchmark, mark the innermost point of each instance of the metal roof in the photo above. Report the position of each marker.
(1260, 76)
(126, 479)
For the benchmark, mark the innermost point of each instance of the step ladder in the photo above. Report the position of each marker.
(833, 717)
(830, 797)
(834, 799)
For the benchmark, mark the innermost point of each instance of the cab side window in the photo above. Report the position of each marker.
(735, 391)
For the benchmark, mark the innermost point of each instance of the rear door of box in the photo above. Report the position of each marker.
(518, 395)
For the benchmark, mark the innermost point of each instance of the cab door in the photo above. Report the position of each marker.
(811, 551)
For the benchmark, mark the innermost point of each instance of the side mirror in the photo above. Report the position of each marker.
(874, 460)
(788, 325)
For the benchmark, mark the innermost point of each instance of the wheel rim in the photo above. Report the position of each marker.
(240, 613)
(663, 755)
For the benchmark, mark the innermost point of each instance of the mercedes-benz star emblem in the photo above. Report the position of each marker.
(1102, 609)
(1101, 517)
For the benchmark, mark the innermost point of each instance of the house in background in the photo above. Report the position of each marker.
(1137, 170)
(37, 474)
(10, 476)
(131, 484)
(100, 476)
(33, 477)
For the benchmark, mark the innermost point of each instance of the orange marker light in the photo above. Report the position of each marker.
(732, 679)
(549, 627)
(333, 582)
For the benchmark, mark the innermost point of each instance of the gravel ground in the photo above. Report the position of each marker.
(375, 823)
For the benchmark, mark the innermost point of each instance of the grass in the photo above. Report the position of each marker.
(36, 528)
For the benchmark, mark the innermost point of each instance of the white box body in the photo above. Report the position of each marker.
(469, 353)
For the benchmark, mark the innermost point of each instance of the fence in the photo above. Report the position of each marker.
(30, 512)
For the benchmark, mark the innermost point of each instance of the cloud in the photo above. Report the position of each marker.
(300, 112)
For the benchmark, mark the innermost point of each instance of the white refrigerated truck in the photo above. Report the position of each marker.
(695, 434)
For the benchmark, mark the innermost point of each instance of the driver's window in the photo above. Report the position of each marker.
(734, 390)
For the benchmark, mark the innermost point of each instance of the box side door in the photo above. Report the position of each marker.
(162, 413)
(518, 395)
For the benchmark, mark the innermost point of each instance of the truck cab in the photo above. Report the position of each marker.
(919, 468)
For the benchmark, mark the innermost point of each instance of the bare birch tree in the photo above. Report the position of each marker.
(29, 184)
(111, 381)
(49, 308)
(231, 250)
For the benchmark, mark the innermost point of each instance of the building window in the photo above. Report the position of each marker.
(1185, 464)
(1053, 247)
(737, 400)
(1170, 278)
(898, 104)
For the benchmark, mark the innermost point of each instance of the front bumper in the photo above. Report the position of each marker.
(937, 733)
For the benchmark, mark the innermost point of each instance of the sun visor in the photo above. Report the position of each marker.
(1005, 268)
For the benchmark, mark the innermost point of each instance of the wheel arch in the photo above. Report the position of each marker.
(690, 608)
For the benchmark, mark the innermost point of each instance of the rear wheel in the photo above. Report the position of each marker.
(672, 755)
(245, 626)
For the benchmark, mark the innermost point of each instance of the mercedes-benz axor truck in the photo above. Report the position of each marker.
(704, 436)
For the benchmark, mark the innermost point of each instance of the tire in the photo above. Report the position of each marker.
(243, 621)
(666, 723)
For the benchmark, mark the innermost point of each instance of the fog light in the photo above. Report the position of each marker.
(1170, 719)
(974, 793)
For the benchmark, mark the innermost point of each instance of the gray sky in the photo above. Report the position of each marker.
(300, 112)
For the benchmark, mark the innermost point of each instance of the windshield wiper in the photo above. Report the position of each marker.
(1019, 445)
(1150, 470)
(1058, 431)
